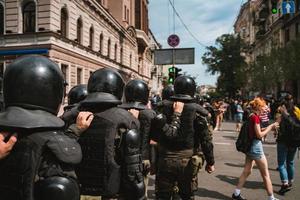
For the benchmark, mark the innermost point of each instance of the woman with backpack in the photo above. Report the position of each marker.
(256, 153)
(287, 143)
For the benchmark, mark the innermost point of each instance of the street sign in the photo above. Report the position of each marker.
(173, 40)
(174, 56)
(288, 7)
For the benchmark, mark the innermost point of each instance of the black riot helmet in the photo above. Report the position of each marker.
(136, 95)
(184, 88)
(33, 82)
(167, 92)
(77, 94)
(105, 86)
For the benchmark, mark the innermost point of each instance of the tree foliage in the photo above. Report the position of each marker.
(225, 59)
(273, 69)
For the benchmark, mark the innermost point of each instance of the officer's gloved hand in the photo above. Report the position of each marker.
(6, 147)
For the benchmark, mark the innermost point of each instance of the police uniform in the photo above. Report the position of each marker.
(177, 142)
(112, 163)
(40, 166)
(136, 97)
(71, 111)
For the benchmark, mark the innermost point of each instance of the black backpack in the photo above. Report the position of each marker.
(294, 135)
(244, 142)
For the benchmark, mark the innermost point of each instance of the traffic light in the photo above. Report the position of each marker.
(171, 75)
(274, 8)
(177, 70)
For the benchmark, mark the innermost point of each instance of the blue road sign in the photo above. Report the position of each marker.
(288, 7)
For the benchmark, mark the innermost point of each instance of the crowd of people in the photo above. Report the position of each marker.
(112, 136)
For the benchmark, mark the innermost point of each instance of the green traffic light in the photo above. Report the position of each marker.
(274, 11)
(171, 80)
(171, 69)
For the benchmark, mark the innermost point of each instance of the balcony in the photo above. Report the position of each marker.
(143, 39)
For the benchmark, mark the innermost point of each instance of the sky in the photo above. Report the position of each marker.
(206, 19)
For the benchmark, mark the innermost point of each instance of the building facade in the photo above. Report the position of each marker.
(80, 35)
(263, 31)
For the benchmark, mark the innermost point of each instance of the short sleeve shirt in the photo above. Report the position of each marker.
(254, 119)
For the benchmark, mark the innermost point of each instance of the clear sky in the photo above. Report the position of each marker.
(206, 19)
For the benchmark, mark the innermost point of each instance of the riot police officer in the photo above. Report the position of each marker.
(75, 95)
(136, 97)
(112, 163)
(40, 165)
(177, 142)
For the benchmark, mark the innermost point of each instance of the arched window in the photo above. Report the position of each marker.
(1, 19)
(91, 37)
(101, 43)
(108, 48)
(79, 30)
(29, 17)
(116, 48)
(64, 22)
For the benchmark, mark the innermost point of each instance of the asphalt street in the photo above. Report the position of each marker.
(229, 165)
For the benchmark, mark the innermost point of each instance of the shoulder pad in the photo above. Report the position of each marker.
(200, 110)
(132, 138)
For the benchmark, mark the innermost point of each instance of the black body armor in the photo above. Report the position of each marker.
(110, 160)
(43, 154)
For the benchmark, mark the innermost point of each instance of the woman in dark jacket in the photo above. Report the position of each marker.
(285, 149)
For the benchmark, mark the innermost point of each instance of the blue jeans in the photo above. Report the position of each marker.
(285, 159)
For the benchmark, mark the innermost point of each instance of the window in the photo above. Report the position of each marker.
(29, 17)
(79, 75)
(287, 35)
(121, 55)
(1, 19)
(101, 43)
(64, 69)
(127, 16)
(130, 60)
(1, 75)
(64, 22)
(79, 31)
(91, 37)
(1, 70)
(116, 48)
(125, 13)
(108, 48)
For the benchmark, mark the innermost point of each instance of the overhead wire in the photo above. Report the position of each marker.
(185, 26)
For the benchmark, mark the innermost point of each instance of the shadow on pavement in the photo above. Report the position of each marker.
(249, 184)
(242, 166)
(230, 137)
(202, 192)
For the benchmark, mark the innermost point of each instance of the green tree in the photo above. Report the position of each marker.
(225, 59)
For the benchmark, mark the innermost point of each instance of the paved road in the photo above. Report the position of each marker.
(229, 165)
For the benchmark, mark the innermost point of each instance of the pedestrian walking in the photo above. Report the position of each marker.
(238, 115)
(264, 118)
(256, 153)
(286, 143)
